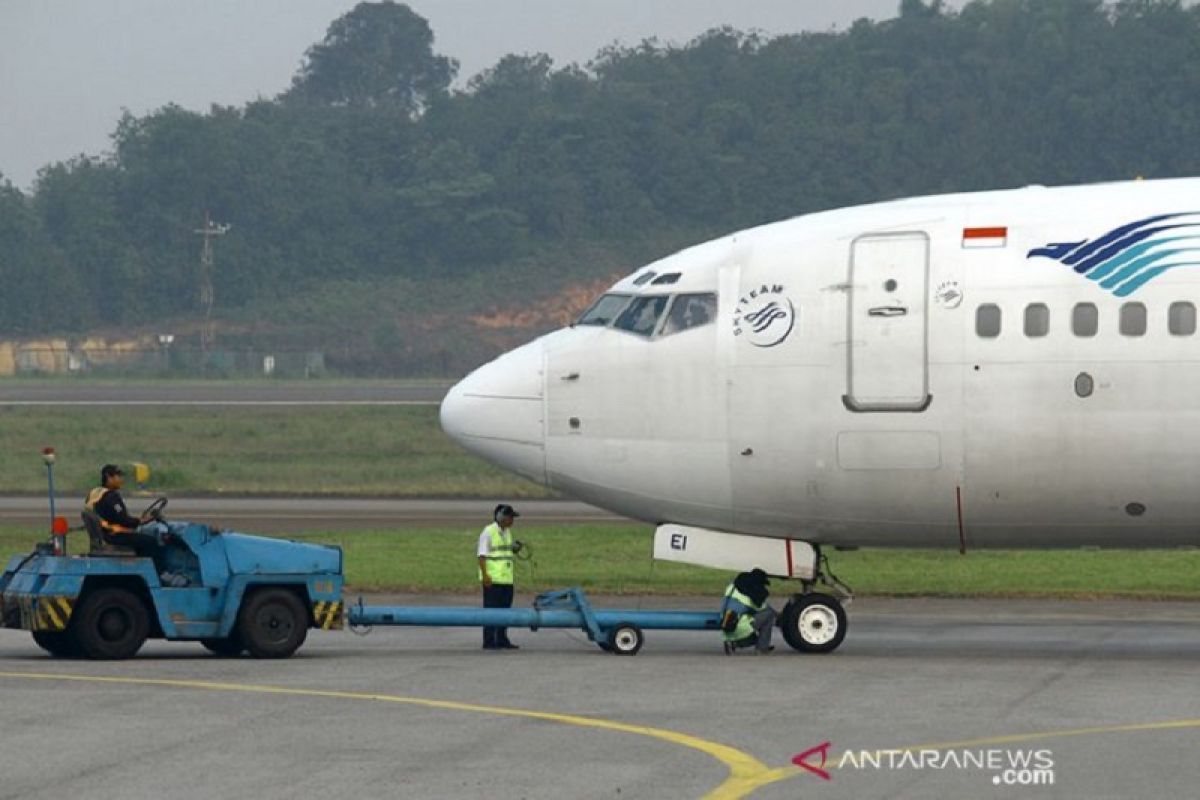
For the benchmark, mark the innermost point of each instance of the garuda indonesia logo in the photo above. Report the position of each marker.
(1127, 258)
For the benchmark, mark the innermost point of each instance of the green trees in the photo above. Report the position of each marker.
(40, 292)
(378, 54)
(369, 172)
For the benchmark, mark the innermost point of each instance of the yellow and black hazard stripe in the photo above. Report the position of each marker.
(329, 615)
(45, 612)
(54, 612)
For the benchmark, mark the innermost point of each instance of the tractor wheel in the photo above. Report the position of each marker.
(272, 623)
(60, 644)
(111, 624)
(813, 623)
(224, 647)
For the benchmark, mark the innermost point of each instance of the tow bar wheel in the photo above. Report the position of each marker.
(625, 639)
(814, 623)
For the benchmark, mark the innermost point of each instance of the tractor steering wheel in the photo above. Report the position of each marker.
(154, 511)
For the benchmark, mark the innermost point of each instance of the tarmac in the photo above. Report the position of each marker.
(1105, 693)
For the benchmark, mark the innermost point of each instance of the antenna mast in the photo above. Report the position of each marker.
(210, 231)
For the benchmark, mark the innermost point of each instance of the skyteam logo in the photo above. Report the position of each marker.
(764, 316)
(1127, 258)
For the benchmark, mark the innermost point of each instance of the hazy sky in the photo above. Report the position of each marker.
(68, 67)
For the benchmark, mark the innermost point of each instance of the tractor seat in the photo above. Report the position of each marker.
(99, 547)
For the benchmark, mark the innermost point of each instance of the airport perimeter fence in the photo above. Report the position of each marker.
(165, 362)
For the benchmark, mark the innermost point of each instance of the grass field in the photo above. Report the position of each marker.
(344, 450)
(75, 380)
(616, 559)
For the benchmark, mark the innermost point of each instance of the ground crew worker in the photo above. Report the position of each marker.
(119, 527)
(746, 619)
(495, 552)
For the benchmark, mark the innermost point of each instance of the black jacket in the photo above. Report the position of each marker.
(111, 508)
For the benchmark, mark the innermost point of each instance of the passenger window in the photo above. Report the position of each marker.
(604, 310)
(1085, 319)
(987, 321)
(1133, 319)
(1037, 319)
(643, 314)
(690, 311)
(1181, 319)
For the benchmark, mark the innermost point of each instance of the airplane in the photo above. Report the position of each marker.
(1001, 369)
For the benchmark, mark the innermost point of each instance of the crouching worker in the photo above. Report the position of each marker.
(746, 619)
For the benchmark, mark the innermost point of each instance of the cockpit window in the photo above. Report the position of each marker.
(604, 310)
(690, 311)
(643, 314)
(666, 278)
(643, 278)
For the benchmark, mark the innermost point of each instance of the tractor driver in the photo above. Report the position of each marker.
(119, 527)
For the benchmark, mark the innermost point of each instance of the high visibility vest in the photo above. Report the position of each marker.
(94, 497)
(499, 559)
(745, 609)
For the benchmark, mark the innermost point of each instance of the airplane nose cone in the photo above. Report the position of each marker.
(496, 412)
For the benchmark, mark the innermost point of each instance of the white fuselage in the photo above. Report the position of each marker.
(852, 388)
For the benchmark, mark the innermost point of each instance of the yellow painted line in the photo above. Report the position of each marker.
(746, 773)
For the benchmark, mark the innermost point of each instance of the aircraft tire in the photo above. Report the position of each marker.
(813, 623)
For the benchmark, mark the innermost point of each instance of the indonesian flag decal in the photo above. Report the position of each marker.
(985, 237)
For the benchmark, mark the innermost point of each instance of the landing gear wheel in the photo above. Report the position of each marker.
(60, 644)
(625, 639)
(224, 647)
(813, 623)
(111, 624)
(272, 623)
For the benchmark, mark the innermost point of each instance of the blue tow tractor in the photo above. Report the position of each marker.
(236, 593)
(229, 591)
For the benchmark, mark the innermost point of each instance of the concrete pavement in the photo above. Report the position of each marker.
(1107, 690)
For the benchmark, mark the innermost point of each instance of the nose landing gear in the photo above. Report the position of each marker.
(812, 621)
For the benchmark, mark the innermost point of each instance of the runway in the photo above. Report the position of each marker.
(218, 393)
(301, 514)
(1107, 691)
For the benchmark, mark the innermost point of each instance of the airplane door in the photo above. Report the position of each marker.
(888, 358)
